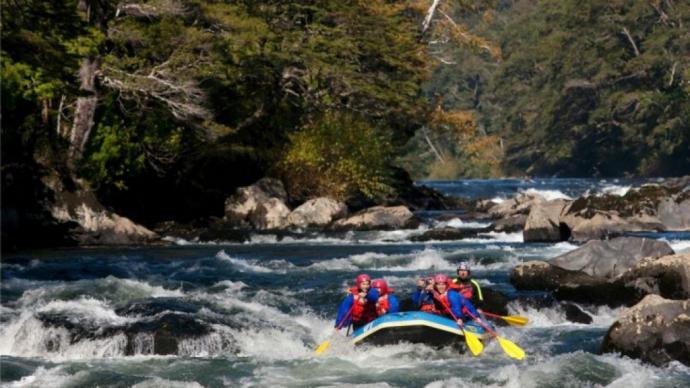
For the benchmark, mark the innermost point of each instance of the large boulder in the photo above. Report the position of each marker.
(317, 212)
(651, 207)
(611, 258)
(261, 205)
(520, 204)
(510, 224)
(543, 223)
(668, 276)
(270, 214)
(598, 272)
(656, 330)
(379, 218)
(95, 225)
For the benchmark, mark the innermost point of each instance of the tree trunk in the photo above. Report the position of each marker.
(85, 110)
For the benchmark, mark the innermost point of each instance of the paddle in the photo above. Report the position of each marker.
(473, 342)
(514, 320)
(509, 347)
(325, 344)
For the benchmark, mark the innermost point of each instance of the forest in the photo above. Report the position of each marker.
(163, 107)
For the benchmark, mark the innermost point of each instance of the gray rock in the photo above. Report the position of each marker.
(379, 218)
(261, 205)
(270, 214)
(317, 212)
(609, 259)
(674, 215)
(543, 222)
(510, 224)
(655, 330)
(668, 276)
(240, 205)
(520, 204)
(96, 225)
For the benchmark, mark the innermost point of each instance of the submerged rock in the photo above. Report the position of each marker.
(656, 330)
(379, 218)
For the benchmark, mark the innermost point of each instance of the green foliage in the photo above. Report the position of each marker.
(338, 155)
(571, 96)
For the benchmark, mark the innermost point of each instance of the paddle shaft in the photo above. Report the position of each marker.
(340, 324)
(483, 325)
(436, 297)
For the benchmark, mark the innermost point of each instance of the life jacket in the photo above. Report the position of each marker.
(362, 309)
(382, 306)
(440, 303)
(466, 289)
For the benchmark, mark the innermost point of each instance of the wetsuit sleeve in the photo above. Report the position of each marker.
(416, 297)
(343, 310)
(455, 303)
(372, 295)
(468, 305)
(393, 304)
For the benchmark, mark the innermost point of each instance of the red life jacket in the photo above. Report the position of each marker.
(382, 306)
(363, 311)
(440, 303)
(464, 288)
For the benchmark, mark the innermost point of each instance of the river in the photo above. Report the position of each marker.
(251, 314)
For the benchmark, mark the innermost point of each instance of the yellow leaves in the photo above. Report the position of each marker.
(458, 34)
(459, 123)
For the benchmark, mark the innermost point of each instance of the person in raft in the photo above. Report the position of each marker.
(466, 286)
(423, 296)
(359, 307)
(444, 299)
(388, 302)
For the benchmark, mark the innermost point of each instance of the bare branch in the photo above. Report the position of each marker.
(152, 10)
(429, 16)
(632, 42)
(673, 73)
(183, 97)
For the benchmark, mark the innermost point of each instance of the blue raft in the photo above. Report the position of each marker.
(414, 327)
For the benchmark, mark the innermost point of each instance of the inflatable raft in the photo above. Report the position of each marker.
(414, 327)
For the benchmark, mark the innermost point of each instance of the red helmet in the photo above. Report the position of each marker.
(441, 278)
(362, 278)
(380, 283)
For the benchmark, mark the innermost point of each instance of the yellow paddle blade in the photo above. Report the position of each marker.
(322, 348)
(516, 320)
(511, 349)
(473, 343)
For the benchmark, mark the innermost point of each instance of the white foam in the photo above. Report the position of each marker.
(549, 195)
(50, 377)
(498, 200)
(26, 336)
(112, 288)
(680, 246)
(460, 224)
(602, 316)
(158, 382)
(244, 265)
(615, 190)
